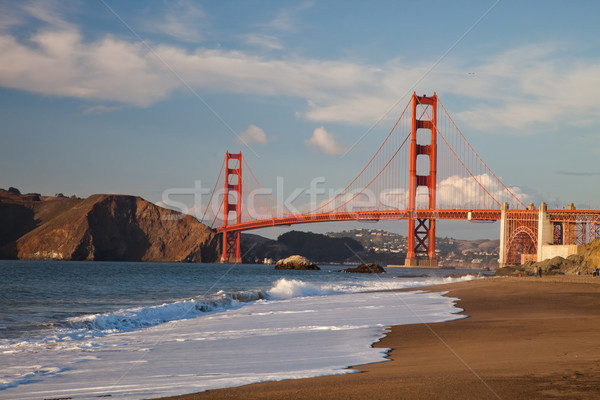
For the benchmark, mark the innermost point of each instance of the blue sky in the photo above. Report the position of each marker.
(141, 97)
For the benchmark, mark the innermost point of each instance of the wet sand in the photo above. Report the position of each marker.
(524, 338)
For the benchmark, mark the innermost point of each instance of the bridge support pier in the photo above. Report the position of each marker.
(421, 231)
(231, 248)
(545, 231)
(565, 242)
(232, 203)
(503, 236)
(527, 235)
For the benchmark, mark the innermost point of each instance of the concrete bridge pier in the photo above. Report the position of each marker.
(540, 234)
(503, 236)
(545, 231)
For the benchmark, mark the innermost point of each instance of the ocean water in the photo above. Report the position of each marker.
(137, 330)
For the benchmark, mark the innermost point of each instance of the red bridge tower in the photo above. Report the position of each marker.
(233, 186)
(421, 231)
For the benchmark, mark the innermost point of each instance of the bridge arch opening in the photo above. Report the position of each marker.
(523, 241)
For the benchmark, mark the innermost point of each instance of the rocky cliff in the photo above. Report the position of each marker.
(101, 227)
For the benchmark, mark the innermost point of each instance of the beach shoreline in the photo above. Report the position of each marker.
(524, 338)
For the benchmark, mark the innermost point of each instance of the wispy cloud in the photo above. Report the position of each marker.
(253, 134)
(325, 141)
(285, 20)
(530, 88)
(577, 173)
(265, 41)
(101, 109)
(182, 20)
(48, 12)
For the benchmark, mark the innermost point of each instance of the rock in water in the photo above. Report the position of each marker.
(296, 262)
(366, 269)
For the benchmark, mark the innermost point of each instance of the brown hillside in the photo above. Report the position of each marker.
(20, 214)
(102, 227)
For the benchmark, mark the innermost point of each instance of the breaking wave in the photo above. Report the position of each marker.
(125, 320)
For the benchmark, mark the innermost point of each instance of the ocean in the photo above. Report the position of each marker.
(85, 330)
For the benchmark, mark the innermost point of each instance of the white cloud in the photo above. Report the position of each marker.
(522, 90)
(467, 192)
(460, 192)
(60, 64)
(532, 88)
(253, 134)
(325, 142)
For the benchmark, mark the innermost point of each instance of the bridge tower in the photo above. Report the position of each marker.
(423, 154)
(232, 202)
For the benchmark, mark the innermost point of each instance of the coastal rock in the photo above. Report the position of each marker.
(296, 262)
(369, 268)
(103, 228)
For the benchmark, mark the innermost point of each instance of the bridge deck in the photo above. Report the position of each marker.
(475, 215)
(489, 215)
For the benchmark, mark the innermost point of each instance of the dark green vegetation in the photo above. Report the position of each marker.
(317, 247)
(320, 247)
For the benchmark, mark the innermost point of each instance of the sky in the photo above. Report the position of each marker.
(145, 97)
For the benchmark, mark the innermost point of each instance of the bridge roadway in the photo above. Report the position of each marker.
(481, 215)
(474, 215)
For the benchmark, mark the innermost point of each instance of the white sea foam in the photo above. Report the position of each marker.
(293, 329)
(90, 326)
(290, 288)
(144, 317)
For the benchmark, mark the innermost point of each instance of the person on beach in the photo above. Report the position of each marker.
(539, 271)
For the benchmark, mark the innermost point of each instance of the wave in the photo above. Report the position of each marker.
(145, 317)
(125, 320)
(290, 288)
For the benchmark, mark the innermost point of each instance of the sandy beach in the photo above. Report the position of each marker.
(524, 338)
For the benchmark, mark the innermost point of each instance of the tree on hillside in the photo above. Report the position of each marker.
(319, 247)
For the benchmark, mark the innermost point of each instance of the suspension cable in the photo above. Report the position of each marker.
(213, 191)
(477, 155)
(458, 158)
(364, 168)
(268, 194)
(376, 176)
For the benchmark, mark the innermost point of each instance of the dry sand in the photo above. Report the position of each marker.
(525, 338)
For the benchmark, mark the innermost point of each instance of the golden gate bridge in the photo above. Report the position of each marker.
(424, 171)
